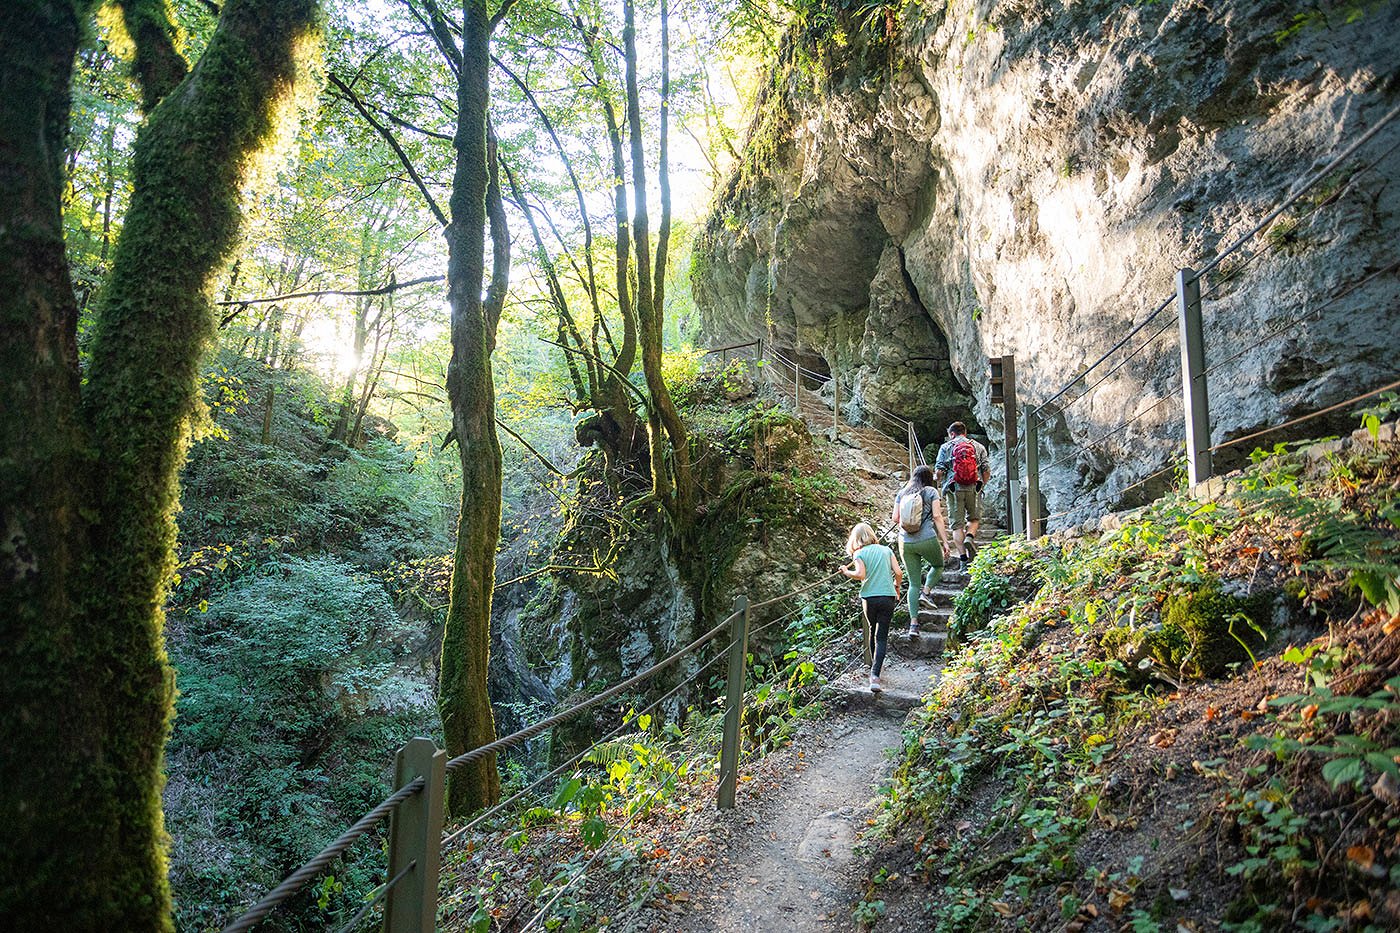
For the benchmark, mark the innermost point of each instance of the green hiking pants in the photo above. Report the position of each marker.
(922, 560)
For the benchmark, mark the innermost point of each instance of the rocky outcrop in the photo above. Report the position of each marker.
(1026, 177)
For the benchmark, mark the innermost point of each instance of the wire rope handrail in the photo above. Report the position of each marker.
(1317, 177)
(1306, 318)
(378, 898)
(1308, 417)
(1122, 341)
(323, 859)
(1087, 445)
(1298, 193)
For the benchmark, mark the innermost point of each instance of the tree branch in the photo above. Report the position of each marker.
(157, 66)
(383, 131)
(393, 286)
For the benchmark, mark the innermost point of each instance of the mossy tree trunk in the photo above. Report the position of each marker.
(671, 481)
(90, 476)
(463, 700)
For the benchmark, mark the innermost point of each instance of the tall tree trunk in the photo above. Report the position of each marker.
(466, 641)
(57, 855)
(673, 485)
(88, 547)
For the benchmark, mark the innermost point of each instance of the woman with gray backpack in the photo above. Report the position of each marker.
(923, 537)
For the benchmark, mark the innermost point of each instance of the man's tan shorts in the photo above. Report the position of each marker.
(965, 505)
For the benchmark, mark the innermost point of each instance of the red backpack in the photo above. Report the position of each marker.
(964, 462)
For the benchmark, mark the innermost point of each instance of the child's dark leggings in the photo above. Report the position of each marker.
(878, 612)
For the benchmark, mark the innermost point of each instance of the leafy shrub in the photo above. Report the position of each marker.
(296, 687)
(1005, 572)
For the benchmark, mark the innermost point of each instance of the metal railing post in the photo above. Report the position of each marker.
(1193, 377)
(734, 705)
(909, 442)
(796, 385)
(835, 406)
(1003, 385)
(415, 838)
(1032, 434)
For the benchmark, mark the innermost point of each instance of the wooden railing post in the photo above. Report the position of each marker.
(1193, 377)
(415, 838)
(734, 704)
(1032, 435)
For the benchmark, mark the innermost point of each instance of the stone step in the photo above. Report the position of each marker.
(924, 645)
(935, 618)
(890, 699)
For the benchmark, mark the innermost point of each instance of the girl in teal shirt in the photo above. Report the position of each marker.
(874, 565)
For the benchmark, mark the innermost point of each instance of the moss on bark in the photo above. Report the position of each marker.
(463, 702)
(91, 530)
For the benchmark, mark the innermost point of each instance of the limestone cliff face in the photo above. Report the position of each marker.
(1026, 177)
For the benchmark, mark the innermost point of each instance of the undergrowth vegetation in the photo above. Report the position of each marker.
(304, 654)
(613, 825)
(1189, 722)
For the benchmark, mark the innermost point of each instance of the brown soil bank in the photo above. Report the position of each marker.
(1189, 722)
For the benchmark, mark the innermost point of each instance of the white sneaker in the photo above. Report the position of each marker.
(875, 685)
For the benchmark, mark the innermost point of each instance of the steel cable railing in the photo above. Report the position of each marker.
(1122, 341)
(1235, 441)
(322, 860)
(1343, 178)
(891, 419)
(1305, 319)
(378, 898)
(1317, 177)
(1123, 426)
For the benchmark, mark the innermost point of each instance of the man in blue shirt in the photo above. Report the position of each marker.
(962, 468)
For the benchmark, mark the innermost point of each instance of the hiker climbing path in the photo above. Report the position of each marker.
(783, 858)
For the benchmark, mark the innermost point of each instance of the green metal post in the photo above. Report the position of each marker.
(415, 838)
(734, 704)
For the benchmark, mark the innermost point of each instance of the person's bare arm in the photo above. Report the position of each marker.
(855, 569)
(941, 525)
(898, 574)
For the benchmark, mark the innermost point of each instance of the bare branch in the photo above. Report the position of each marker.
(383, 131)
(392, 286)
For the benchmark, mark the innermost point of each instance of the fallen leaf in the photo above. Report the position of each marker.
(1179, 894)
(1171, 772)
(1002, 908)
(1361, 910)
(1089, 910)
(1309, 712)
(1118, 900)
(1363, 856)
(1211, 713)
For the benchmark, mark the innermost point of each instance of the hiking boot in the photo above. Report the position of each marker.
(971, 550)
(875, 685)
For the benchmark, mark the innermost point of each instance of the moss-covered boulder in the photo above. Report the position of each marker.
(1202, 632)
